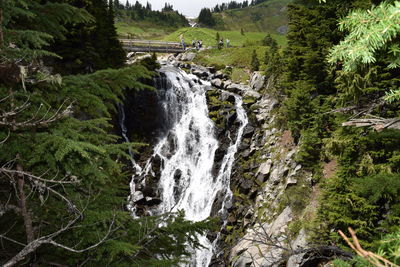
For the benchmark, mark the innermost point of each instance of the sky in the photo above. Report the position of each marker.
(190, 8)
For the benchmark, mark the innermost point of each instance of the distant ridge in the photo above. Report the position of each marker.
(269, 16)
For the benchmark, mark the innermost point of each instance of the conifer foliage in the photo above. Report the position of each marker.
(369, 33)
(320, 97)
(63, 191)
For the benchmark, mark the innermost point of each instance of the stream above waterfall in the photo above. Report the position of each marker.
(183, 158)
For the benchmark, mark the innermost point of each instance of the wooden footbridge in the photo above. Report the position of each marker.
(134, 45)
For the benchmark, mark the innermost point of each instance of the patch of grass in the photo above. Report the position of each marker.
(240, 75)
(142, 30)
(238, 57)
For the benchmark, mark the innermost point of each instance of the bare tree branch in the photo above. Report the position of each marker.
(378, 124)
(35, 244)
(34, 121)
(373, 258)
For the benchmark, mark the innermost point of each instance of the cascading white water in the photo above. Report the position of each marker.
(124, 132)
(187, 154)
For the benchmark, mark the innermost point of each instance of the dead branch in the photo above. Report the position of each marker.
(10, 172)
(377, 124)
(359, 110)
(371, 257)
(35, 120)
(40, 183)
(49, 239)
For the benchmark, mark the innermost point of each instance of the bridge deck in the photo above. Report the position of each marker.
(133, 45)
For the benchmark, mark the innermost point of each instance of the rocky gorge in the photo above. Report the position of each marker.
(273, 197)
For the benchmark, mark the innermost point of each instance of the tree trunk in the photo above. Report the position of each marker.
(24, 210)
(1, 25)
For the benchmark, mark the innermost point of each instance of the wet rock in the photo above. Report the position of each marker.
(156, 164)
(218, 202)
(228, 97)
(218, 156)
(227, 84)
(152, 201)
(217, 83)
(218, 75)
(248, 131)
(244, 145)
(200, 72)
(149, 191)
(177, 175)
(137, 196)
(211, 69)
(237, 88)
(231, 118)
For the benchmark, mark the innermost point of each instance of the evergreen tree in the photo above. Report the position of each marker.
(217, 37)
(63, 188)
(91, 47)
(206, 18)
(269, 41)
(255, 63)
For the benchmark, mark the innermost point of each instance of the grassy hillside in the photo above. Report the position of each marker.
(265, 17)
(142, 30)
(209, 36)
(237, 57)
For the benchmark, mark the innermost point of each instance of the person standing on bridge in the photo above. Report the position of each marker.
(182, 41)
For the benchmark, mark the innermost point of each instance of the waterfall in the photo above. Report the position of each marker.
(124, 132)
(186, 155)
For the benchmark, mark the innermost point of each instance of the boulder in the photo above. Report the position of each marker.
(200, 71)
(257, 81)
(251, 93)
(211, 69)
(217, 83)
(248, 131)
(228, 97)
(265, 168)
(137, 196)
(236, 88)
(275, 176)
(188, 56)
(218, 75)
(150, 201)
(299, 243)
(245, 186)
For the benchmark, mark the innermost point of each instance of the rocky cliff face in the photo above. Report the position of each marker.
(272, 193)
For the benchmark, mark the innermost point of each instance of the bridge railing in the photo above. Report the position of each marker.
(151, 46)
(134, 42)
